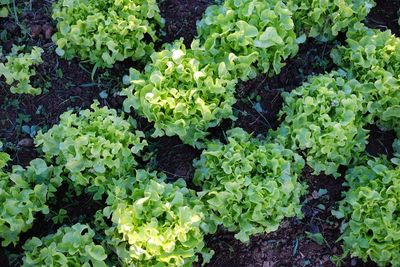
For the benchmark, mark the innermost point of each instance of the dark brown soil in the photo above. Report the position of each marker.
(175, 159)
(384, 16)
(181, 17)
(380, 142)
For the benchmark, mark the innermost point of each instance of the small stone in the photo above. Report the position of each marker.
(8, 45)
(26, 142)
(48, 31)
(282, 79)
(326, 258)
(353, 262)
(10, 26)
(181, 172)
(268, 264)
(315, 194)
(36, 30)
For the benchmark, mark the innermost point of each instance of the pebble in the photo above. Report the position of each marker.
(36, 30)
(48, 31)
(26, 142)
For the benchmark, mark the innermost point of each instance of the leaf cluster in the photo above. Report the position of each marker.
(324, 19)
(4, 158)
(384, 100)
(249, 185)
(324, 119)
(373, 57)
(263, 31)
(182, 94)
(92, 147)
(105, 31)
(156, 223)
(368, 51)
(4, 9)
(23, 193)
(370, 209)
(18, 68)
(69, 246)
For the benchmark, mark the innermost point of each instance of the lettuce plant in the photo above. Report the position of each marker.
(4, 158)
(324, 19)
(249, 185)
(396, 146)
(106, 31)
(69, 246)
(367, 51)
(324, 118)
(384, 99)
(260, 30)
(18, 68)
(23, 193)
(156, 223)
(180, 93)
(398, 13)
(370, 209)
(373, 57)
(3, 8)
(92, 147)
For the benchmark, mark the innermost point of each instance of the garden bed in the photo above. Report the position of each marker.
(68, 84)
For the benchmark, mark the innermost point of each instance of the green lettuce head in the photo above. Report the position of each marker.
(249, 185)
(69, 246)
(24, 192)
(370, 209)
(106, 31)
(182, 94)
(93, 147)
(367, 51)
(324, 119)
(156, 223)
(324, 19)
(262, 31)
